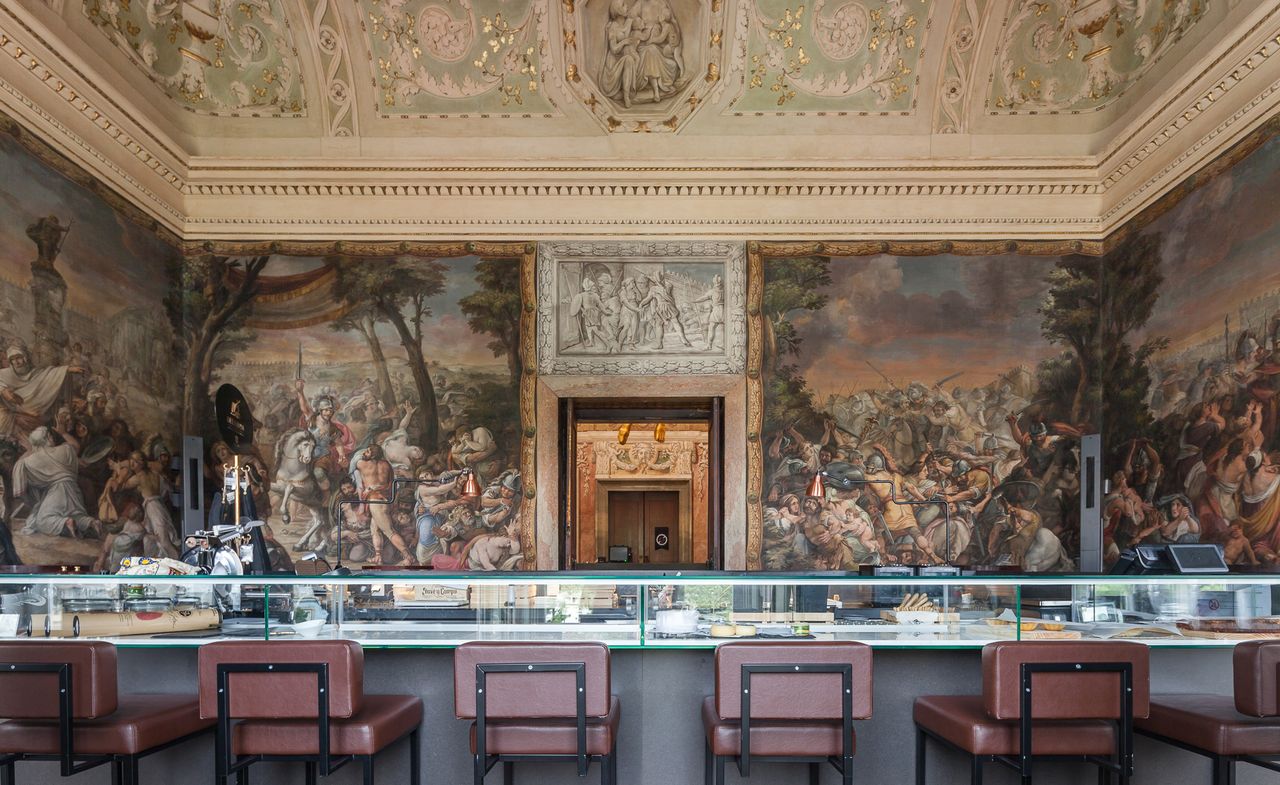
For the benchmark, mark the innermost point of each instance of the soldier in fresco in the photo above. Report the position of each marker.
(658, 311)
(334, 440)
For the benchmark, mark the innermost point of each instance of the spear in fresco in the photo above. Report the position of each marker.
(882, 375)
(297, 374)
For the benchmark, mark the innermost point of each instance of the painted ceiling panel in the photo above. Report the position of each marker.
(842, 56)
(215, 57)
(457, 57)
(1081, 55)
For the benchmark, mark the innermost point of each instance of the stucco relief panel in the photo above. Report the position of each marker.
(458, 57)
(215, 57)
(836, 56)
(643, 65)
(1081, 55)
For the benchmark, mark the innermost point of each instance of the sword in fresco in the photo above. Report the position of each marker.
(946, 379)
(297, 374)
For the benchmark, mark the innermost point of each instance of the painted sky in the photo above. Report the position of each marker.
(924, 318)
(448, 339)
(1219, 250)
(109, 263)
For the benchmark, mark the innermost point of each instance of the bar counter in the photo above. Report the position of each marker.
(662, 674)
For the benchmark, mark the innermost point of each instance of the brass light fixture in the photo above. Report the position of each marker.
(660, 432)
(624, 431)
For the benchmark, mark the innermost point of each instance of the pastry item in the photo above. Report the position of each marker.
(916, 602)
(723, 630)
(745, 630)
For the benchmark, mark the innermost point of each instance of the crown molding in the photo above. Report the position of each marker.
(1216, 101)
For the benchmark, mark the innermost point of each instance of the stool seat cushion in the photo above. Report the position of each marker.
(551, 735)
(139, 723)
(963, 721)
(380, 720)
(1211, 723)
(772, 737)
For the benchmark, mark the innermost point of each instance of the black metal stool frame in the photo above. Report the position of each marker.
(320, 764)
(1224, 766)
(483, 762)
(842, 764)
(1022, 763)
(124, 768)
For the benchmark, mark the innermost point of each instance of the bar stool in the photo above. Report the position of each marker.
(60, 702)
(300, 701)
(786, 701)
(1224, 728)
(537, 702)
(1079, 698)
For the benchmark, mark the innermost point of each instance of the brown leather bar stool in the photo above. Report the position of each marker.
(1044, 701)
(537, 702)
(60, 702)
(300, 701)
(1224, 728)
(786, 701)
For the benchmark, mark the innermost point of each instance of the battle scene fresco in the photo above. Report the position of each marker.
(376, 385)
(1193, 433)
(941, 397)
(88, 417)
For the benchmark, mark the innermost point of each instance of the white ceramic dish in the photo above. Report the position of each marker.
(917, 617)
(309, 629)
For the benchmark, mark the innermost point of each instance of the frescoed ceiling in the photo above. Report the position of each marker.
(215, 57)
(472, 69)
(433, 58)
(1080, 55)
(839, 57)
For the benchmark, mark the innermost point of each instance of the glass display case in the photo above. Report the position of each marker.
(641, 610)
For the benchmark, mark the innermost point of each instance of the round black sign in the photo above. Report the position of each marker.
(235, 421)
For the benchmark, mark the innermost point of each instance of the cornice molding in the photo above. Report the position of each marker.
(1227, 94)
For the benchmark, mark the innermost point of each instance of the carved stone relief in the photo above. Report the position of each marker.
(642, 65)
(641, 308)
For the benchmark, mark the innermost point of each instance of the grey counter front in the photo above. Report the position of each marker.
(662, 676)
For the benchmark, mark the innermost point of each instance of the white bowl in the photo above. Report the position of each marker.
(917, 617)
(309, 629)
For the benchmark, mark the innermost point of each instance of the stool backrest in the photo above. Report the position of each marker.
(1072, 695)
(34, 696)
(282, 695)
(1257, 678)
(530, 693)
(792, 695)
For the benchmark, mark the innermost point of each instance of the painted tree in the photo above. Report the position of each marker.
(208, 312)
(494, 309)
(397, 291)
(363, 319)
(790, 285)
(1094, 306)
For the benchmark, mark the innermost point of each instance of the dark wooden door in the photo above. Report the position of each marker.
(648, 522)
(626, 521)
(662, 526)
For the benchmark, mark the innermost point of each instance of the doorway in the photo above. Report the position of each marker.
(645, 483)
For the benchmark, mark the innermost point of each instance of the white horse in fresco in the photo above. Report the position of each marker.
(297, 484)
